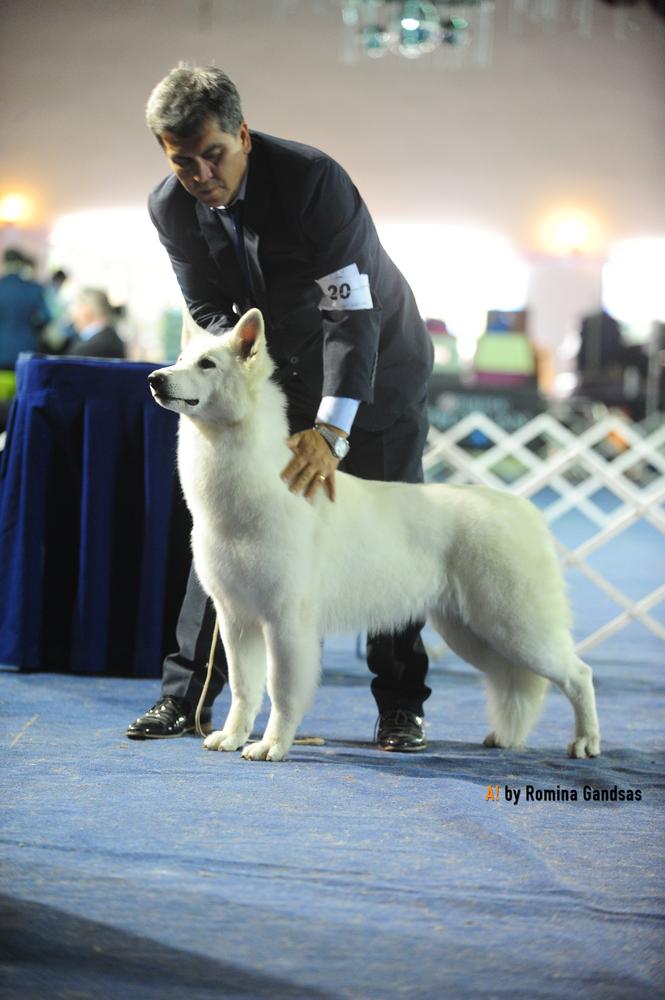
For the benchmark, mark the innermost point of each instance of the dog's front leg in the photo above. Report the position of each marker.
(294, 654)
(245, 656)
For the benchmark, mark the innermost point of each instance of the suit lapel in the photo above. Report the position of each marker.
(254, 265)
(257, 203)
(257, 193)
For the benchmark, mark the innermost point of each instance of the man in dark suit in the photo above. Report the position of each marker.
(94, 335)
(251, 220)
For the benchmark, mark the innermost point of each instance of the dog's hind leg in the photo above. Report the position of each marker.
(573, 676)
(549, 653)
(246, 659)
(294, 655)
(557, 662)
(514, 695)
(517, 677)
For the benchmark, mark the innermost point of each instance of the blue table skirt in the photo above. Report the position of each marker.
(94, 535)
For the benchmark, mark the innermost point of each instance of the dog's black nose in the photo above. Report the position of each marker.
(156, 380)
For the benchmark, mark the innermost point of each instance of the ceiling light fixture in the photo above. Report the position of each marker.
(413, 28)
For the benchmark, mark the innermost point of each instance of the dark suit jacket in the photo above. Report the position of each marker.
(105, 344)
(303, 220)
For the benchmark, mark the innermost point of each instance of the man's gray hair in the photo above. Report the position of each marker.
(188, 97)
(97, 300)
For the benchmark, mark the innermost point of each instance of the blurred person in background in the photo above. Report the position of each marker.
(609, 369)
(93, 325)
(23, 310)
(601, 345)
(57, 332)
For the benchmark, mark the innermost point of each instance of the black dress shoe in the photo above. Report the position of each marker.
(400, 731)
(168, 717)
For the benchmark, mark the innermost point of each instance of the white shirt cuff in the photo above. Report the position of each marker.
(338, 411)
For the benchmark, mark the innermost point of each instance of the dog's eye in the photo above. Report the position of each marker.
(206, 363)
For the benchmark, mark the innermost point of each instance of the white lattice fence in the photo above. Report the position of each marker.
(544, 458)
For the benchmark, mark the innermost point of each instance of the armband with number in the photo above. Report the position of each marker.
(345, 289)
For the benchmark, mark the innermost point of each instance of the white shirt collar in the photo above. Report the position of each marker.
(91, 330)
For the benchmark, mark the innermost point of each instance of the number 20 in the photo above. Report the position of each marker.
(343, 292)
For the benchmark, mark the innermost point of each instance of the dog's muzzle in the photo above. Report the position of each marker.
(159, 385)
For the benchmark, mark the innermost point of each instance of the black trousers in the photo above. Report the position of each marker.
(398, 660)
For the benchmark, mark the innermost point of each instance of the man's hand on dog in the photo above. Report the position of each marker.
(313, 465)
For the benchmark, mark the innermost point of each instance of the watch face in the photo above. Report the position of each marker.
(338, 445)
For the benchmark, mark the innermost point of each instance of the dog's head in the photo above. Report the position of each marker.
(216, 378)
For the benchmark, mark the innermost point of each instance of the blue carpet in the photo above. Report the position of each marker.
(158, 870)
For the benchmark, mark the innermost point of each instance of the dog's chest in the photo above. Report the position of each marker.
(249, 532)
(237, 562)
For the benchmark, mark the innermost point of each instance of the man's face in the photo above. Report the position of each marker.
(82, 315)
(211, 164)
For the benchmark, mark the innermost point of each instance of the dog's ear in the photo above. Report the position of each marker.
(248, 333)
(189, 328)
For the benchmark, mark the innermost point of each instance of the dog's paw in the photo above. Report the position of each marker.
(585, 746)
(266, 750)
(221, 740)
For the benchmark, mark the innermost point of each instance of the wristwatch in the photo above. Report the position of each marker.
(338, 445)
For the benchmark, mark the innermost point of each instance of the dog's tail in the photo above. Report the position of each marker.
(514, 702)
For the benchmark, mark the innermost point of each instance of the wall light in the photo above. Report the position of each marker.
(572, 234)
(570, 231)
(14, 208)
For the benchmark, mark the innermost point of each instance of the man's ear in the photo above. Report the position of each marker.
(248, 333)
(189, 328)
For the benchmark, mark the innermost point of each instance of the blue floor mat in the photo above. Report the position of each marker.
(159, 870)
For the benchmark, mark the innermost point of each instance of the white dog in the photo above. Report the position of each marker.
(284, 572)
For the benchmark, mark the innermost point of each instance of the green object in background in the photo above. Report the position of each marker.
(171, 333)
(507, 353)
(446, 358)
(7, 385)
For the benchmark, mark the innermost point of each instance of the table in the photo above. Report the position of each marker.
(94, 534)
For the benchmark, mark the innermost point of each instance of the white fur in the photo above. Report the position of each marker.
(283, 572)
